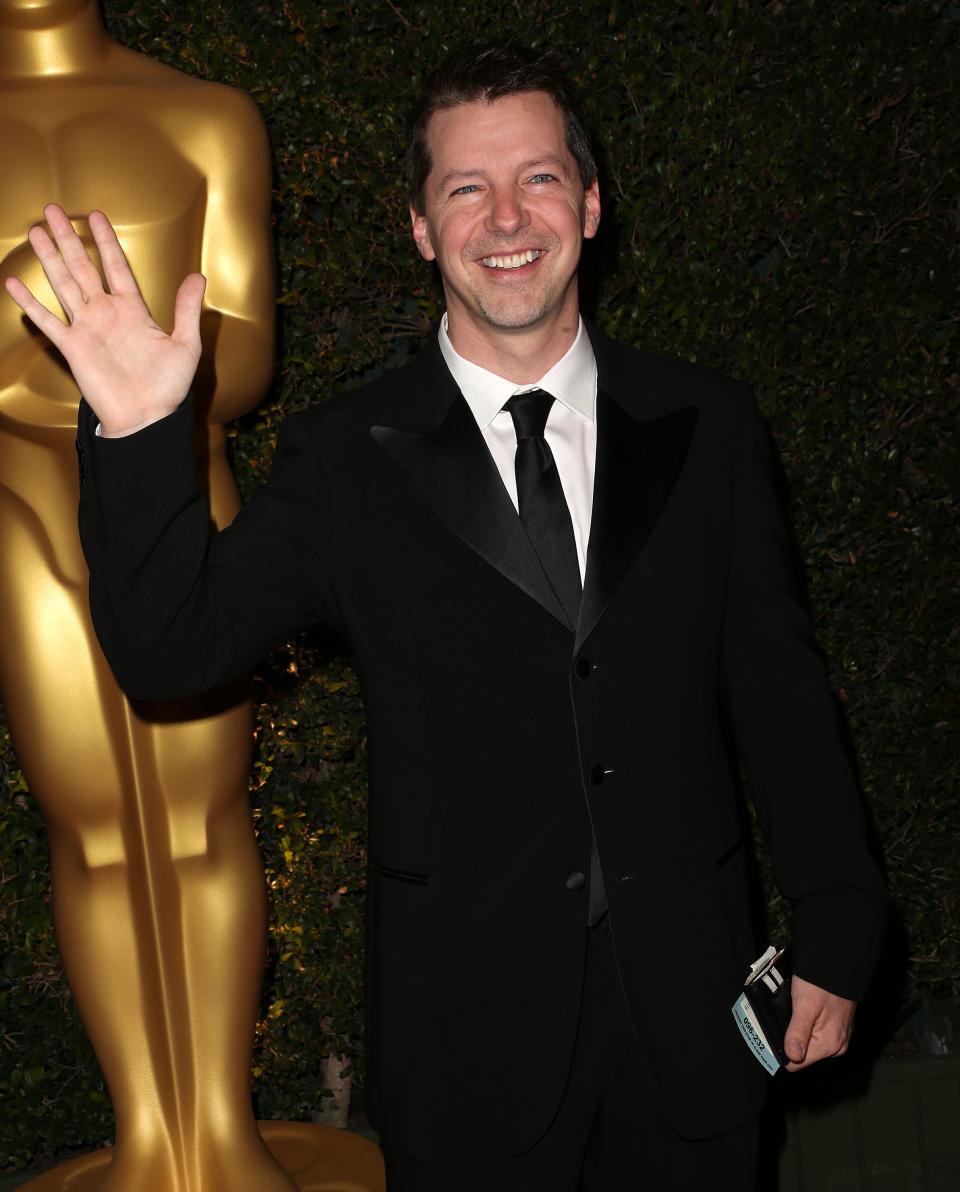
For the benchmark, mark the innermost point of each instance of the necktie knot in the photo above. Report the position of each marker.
(529, 412)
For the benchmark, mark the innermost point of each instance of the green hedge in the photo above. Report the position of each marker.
(781, 203)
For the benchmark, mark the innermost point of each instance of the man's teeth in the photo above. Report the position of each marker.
(514, 261)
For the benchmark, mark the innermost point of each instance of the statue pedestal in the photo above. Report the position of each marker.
(318, 1158)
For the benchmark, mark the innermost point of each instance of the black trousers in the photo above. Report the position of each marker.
(609, 1134)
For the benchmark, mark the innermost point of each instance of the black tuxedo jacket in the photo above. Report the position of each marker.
(499, 734)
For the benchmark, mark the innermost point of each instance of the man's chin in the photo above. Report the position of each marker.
(511, 316)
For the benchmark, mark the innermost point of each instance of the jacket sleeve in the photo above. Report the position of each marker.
(788, 733)
(176, 611)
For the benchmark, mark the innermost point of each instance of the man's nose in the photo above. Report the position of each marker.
(507, 212)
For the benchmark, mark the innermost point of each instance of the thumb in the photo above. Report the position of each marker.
(797, 1037)
(186, 311)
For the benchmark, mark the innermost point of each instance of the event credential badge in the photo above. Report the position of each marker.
(762, 1011)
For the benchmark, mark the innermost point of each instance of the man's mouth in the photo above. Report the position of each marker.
(514, 260)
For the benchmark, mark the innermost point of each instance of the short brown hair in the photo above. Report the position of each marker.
(491, 73)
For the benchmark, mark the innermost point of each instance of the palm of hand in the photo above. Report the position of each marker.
(128, 368)
(120, 357)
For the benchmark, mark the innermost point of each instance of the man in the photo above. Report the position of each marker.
(558, 918)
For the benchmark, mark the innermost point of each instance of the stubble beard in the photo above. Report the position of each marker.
(514, 312)
(512, 318)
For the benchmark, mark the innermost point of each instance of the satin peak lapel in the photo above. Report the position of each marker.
(638, 464)
(452, 471)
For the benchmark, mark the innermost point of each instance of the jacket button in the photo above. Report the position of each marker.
(598, 773)
(582, 668)
(575, 880)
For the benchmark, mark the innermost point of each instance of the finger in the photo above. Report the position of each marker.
(813, 1052)
(64, 285)
(116, 268)
(831, 1037)
(187, 308)
(797, 1037)
(819, 1049)
(75, 256)
(35, 311)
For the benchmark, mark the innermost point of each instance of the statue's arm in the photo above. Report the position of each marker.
(229, 144)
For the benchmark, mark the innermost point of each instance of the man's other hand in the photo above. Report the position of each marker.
(820, 1026)
(129, 369)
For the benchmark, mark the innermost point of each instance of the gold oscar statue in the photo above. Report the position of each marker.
(158, 889)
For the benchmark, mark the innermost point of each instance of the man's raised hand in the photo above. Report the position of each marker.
(130, 371)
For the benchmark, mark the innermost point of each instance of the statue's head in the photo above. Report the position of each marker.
(40, 14)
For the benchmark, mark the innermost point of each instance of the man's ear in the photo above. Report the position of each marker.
(421, 234)
(591, 210)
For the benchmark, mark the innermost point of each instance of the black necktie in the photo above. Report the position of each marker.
(546, 518)
(543, 507)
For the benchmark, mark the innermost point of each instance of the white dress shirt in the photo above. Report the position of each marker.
(571, 430)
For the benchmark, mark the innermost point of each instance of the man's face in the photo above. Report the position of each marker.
(505, 212)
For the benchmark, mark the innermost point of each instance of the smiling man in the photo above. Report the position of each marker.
(502, 202)
(562, 570)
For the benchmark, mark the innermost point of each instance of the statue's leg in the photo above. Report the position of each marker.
(214, 933)
(157, 887)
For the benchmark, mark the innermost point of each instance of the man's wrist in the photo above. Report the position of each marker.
(103, 432)
(130, 430)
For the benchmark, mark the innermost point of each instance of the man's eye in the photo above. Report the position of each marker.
(465, 190)
(543, 178)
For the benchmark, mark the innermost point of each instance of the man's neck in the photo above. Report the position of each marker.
(522, 354)
(72, 47)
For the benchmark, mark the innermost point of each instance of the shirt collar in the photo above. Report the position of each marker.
(572, 380)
